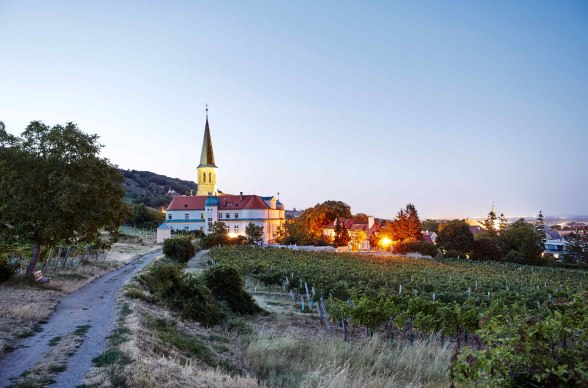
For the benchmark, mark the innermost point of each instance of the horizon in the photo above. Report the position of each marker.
(446, 106)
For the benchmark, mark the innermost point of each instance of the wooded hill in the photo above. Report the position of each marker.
(150, 189)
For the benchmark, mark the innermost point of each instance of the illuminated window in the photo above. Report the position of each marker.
(227, 228)
(236, 228)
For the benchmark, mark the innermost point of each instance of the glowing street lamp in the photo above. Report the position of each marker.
(385, 242)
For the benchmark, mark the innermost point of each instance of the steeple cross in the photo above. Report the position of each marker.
(206, 107)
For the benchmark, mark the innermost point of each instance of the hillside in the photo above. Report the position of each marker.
(151, 189)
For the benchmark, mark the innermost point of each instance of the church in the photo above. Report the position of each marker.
(209, 205)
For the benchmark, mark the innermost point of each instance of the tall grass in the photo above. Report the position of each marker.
(289, 361)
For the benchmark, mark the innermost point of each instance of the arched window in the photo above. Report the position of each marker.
(209, 177)
(204, 177)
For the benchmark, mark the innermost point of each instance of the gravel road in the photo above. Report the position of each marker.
(94, 305)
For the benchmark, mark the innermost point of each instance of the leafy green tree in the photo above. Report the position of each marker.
(316, 217)
(430, 225)
(455, 236)
(577, 247)
(293, 232)
(55, 187)
(522, 239)
(357, 238)
(254, 233)
(179, 248)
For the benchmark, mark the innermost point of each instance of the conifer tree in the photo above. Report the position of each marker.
(540, 228)
(503, 223)
(490, 222)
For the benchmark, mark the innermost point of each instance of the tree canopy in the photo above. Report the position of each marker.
(56, 188)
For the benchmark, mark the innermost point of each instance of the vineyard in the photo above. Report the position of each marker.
(511, 323)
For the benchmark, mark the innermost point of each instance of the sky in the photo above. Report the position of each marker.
(449, 105)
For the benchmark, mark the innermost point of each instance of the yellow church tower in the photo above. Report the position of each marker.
(207, 168)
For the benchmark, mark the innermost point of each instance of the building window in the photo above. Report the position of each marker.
(169, 216)
(209, 177)
(220, 215)
(210, 226)
(204, 177)
(210, 220)
(185, 228)
(202, 216)
(201, 228)
(236, 228)
(236, 215)
(228, 215)
(227, 228)
(187, 216)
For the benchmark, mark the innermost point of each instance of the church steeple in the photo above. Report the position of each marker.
(207, 167)
(207, 154)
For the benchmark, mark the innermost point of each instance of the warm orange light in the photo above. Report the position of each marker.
(385, 242)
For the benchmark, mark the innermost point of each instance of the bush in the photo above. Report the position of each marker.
(6, 269)
(226, 284)
(179, 248)
(421, 247)
(486, 249)
(183, 292)
(454, 254)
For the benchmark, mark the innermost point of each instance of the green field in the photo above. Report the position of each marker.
(530, 323)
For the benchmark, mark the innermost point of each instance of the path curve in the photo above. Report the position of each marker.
(94, 305)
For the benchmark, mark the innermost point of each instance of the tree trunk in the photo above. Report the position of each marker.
(34, 258)
(48, 260)
(57, 259)
(66, 256)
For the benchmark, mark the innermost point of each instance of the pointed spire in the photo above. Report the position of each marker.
(207, 155)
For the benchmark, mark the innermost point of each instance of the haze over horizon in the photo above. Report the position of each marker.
(449, 106)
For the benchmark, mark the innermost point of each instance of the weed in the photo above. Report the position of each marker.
(109, 357)
(55, 340)
(82, 330)
(56, 368)
(188, 344)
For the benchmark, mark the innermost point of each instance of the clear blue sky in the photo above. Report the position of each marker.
(446, 104)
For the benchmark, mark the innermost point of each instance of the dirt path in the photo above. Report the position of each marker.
(198, 263)
(89, 313)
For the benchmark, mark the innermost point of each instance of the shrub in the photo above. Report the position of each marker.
(179, 248)
(486, 249)
(421, 247)
(183, 292)
(226, 283)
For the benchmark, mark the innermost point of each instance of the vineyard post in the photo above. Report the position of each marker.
(48, 259)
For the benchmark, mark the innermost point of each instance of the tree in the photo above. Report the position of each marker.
(361, 217)
(406, 225)
(455, 236)
(341, 234)
(56, 188)
(490, 222)
(577, 247)
(540, 229)
(316, 217)
(293, 232)
(430, 225)
(254, 233)
(521, 242)
(218, 235)
(502, 223)
(357, 238)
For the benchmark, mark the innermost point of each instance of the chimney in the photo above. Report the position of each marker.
(370, 222)
(241, 194)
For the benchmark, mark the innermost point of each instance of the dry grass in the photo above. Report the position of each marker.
(24, 305)
(153, 362)
(293, 361)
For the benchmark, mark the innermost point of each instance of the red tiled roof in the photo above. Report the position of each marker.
(227, 202)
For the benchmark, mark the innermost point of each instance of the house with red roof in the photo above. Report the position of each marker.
(209, 205)
(369, 227)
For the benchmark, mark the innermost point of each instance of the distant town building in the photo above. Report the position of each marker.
(209, 205)
(370, 227)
